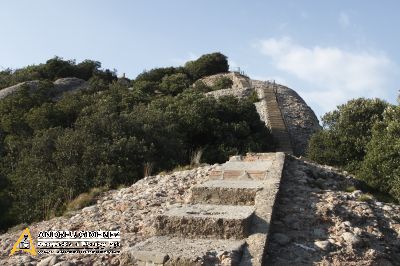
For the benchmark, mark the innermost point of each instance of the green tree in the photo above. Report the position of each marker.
(346, 133)
(174, 84)
(208, 64)
(381, 167)
(222, 83)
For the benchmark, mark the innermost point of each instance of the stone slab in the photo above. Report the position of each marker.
(226, 192)
(166, 250)
(206, 221)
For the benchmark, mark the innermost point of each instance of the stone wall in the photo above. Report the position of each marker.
(240, 88)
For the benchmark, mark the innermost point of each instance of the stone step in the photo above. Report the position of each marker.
(237, 175)
(226, 192)
(168, 250)
(206, 221)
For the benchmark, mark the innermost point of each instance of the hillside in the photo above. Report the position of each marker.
(84, 150)
(314, 220)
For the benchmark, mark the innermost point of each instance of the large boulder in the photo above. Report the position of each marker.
(60, 86)
(34, 84)
(69, 84)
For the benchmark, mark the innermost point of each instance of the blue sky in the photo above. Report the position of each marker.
(328, 51)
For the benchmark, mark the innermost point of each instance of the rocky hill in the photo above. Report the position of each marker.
(258, 209)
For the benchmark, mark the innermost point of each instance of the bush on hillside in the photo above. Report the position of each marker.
(174, 84)
(206, 65)
(103, 140)
(56, 68)
(346, 133)
(381, 167)
(222, 83)
(200, 86)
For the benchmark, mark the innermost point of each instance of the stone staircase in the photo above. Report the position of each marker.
(267, 94)
(226, 223)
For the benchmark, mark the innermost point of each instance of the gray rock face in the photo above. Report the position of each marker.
(328, 226)
(69, 84)
(60, 86)
(32, 85)
(299, 117)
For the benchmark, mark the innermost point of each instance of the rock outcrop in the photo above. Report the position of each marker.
(319, 220)
(32, 85)
(300, 119)
(60, 86)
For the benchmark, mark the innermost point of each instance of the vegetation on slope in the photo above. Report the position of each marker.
(362, 136)
(52, 151)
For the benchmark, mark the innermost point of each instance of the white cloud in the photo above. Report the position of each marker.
(344, 19)
(332, 75)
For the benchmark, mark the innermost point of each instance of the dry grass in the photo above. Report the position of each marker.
(195, 158)
(147, 169)
(84, 199)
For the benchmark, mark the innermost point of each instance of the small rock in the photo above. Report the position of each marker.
(356, 193)
(350, 238)
(346, 224)
(324, 245)
(65, 263)
(90, 209)
(387, 208)
(281, 239)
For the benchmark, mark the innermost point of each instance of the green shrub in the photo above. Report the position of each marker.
(206, 65)
(365, 197)
(253, 97)
(174, 84)
(103, 137)
(381, 167)
(346, 133)
(222, 83)
(200, 86)
(350, 189)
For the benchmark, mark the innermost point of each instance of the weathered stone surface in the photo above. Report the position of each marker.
(60, 86)
(184, 251)
(32, 85)
(300, 119)
(325, 226)
(323, 245)
(204, 221)
(329, 226)
(69, 84)
(233, 192)
(351, 238)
